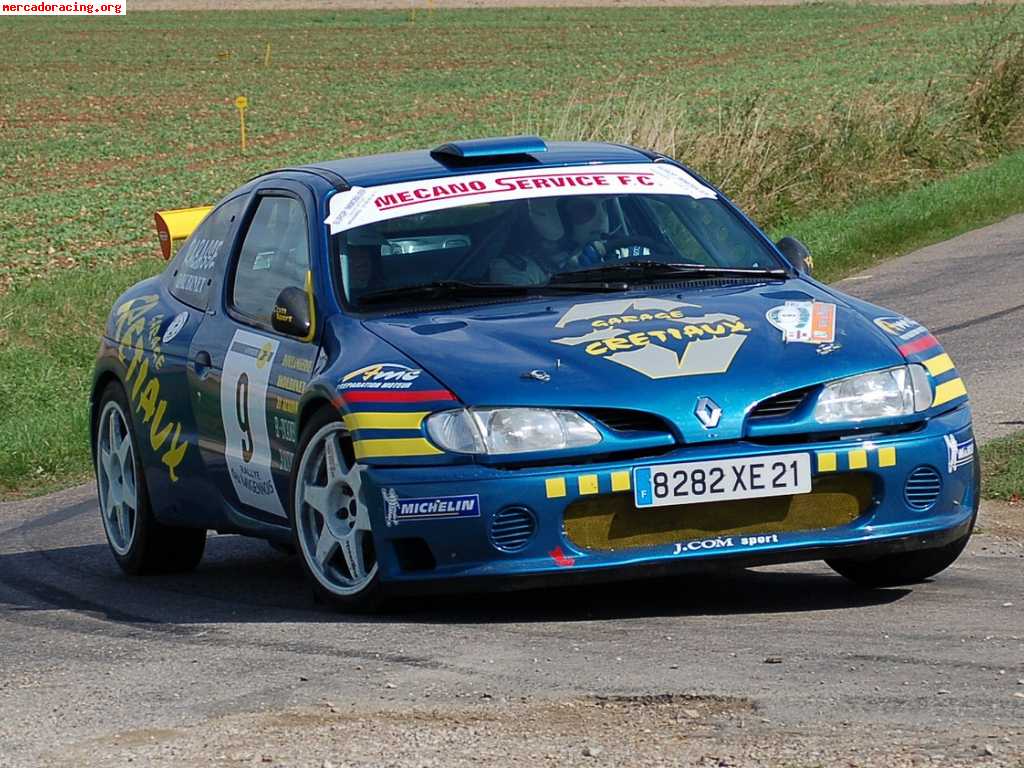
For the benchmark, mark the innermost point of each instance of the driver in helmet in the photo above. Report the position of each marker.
(546, 253)
(590, 233)
(588, 228)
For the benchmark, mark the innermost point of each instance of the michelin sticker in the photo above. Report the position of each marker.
(810, 322)
(359, 205)
(380, 376)
(658, 338)
(243, 410)
(398, 510)
(959, 454)
(175, 327)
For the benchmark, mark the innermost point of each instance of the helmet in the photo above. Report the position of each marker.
(546, 220)
(588, 218)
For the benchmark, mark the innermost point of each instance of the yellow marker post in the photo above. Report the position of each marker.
(266, 56)
(243, 104)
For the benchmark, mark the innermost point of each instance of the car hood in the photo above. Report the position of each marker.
(657, 351)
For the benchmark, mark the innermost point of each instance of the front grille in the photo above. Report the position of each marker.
(622, 420)
(612, 522)
(780, 405)
(512, 528)
(923, 488)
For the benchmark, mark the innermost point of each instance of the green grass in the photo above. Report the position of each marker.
(846, 241)
(107, 120)
(1003, 468)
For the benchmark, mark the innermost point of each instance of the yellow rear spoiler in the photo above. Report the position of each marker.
(177, 224)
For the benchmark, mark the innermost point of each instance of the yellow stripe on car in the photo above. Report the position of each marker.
(380, 420)
(587, 484)
(887, 456)
(949, 390)
(858, 459)
(554, 487)
(621, 481)
(402, 446)
(827, 461)
(939, 364)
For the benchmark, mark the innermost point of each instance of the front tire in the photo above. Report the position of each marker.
(330, 519)
(902, 568)
(139, 543)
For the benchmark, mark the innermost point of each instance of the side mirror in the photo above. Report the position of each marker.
(292, 313)
(798, 253)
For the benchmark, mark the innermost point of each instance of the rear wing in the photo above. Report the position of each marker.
(177, 224)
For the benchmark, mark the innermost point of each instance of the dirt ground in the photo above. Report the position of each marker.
(658, 730)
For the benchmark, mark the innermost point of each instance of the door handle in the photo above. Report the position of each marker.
(202, 363)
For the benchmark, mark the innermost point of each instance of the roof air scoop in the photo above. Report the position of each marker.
(501, 147)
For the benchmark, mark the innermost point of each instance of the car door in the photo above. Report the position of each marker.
(251, 377)
(176, 475)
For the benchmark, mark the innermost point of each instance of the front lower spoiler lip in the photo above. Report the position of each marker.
(717, 563)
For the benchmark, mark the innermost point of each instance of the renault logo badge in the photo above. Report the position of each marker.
(707, 412)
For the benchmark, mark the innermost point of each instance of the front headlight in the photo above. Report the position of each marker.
(510, 430)
(881, 394)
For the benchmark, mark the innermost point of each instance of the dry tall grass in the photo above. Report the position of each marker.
(860, 149)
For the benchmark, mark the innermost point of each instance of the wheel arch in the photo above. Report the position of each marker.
(312, 406)
(100, 383)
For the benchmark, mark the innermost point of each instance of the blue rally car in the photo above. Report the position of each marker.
(507, 361)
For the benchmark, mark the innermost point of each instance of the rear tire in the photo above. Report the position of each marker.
(140, 544)
(902, 568)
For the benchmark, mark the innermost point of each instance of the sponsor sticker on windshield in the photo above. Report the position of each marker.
(365, 205)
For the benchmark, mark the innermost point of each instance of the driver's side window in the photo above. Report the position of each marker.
(274, 256)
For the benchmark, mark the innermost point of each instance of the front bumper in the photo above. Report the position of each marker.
(450, 534)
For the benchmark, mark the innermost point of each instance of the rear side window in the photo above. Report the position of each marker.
(203, 254)
(274, 256)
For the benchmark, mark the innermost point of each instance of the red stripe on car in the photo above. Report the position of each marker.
(919, 345)
(395, 396)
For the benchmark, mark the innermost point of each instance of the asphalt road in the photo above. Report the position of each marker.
(232, 665)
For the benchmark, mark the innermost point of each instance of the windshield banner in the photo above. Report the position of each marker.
(366, 205)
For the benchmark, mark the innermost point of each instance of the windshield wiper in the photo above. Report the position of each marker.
(444, 289)
(646, 269)
(453, 289)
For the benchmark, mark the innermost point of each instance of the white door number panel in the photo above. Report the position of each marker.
(693, 482)
(243, 410)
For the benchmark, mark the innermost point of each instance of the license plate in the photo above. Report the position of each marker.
(693, 482)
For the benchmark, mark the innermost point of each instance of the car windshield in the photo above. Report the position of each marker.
(521, 245)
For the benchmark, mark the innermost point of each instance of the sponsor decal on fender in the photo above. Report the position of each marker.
(913, 338)
(398, 510)
(959, 454)
(656, 337)
(365, 205)
(175, 327)
(380, 376)
(129, 331)
(900, 326)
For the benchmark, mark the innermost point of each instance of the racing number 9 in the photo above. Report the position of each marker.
(242, 412)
